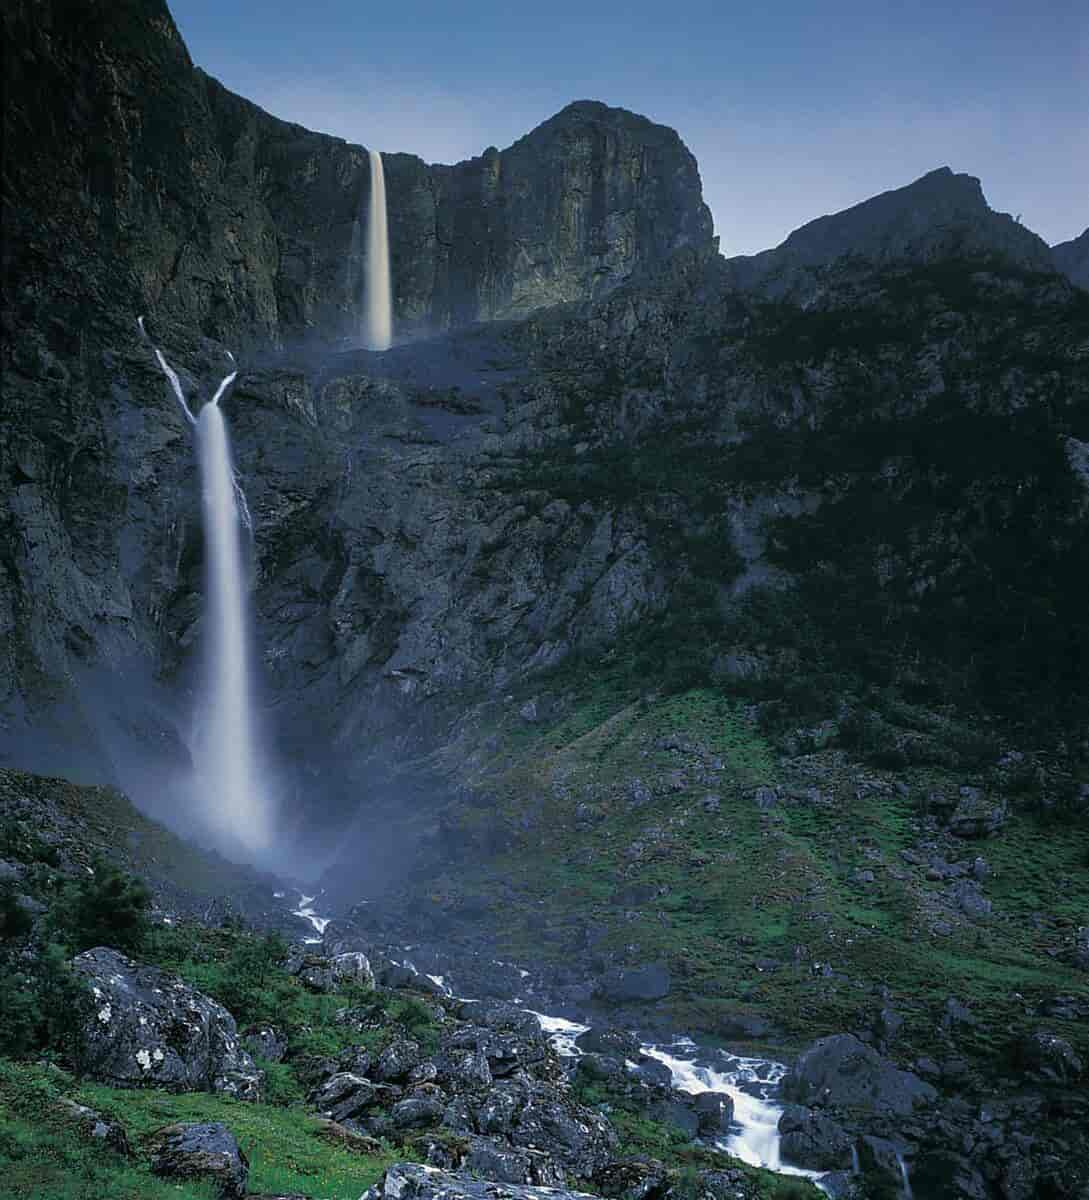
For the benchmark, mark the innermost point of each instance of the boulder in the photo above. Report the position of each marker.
(417, 1112)
(811, 1139)
(977, 815)
(415, 1181)
(616, 1043)
(147, 1028)
(635, 984)
(399, 1058)
(714, 1113)
(349, 970)
(207, 1150)
(343, 1096)
(841, 1071)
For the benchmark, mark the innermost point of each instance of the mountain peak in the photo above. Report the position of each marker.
(942, 214)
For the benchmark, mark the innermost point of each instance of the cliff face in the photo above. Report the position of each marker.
(877, 419)
(152, 188)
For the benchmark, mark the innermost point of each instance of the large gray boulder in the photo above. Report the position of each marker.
(207, 1150)
(147, 1028)
(414, 1181)
(842, 1072)
(811, 1139)
(343, 971)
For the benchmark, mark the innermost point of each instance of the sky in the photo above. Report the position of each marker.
(793, 108)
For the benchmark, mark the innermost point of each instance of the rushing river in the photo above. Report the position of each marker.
(753, 1084)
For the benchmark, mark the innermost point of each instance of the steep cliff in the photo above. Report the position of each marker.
(135, 183)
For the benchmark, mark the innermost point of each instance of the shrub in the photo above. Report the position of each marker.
(107, 908)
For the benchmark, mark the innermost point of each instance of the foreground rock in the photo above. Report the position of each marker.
(147, 1028)
(413, 1181)
(842, 1072)
(201, 1151)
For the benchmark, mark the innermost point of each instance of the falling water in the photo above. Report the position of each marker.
(378, 323)
(226, 763)
(908, 1193)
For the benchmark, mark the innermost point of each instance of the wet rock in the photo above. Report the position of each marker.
(976, 815)
(1047, 1058)
(617, 1043)
(652, 1072)
(599, 1066)
(147, 1028)
(635, 984)
(714, 1112)
(200, 1151)
(844, 1072)
(810, 1139)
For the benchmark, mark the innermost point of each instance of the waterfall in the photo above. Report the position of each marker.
(227, 784)
(227, 763)
(378, 322)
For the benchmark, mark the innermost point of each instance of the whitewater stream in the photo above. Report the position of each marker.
(751, 1083)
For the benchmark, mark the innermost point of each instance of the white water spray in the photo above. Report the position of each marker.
(225, 757)
(378, 323)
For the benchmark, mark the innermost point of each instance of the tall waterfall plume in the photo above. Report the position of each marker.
(378, 319)
(228, 783)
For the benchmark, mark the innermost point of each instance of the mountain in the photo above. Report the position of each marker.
(940, 216)
(1072, 258)
(136, 183)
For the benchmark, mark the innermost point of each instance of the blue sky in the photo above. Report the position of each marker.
(793, 108)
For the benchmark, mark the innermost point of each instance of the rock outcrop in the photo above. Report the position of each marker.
(146, 1028)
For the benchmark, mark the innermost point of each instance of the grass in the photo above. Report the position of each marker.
(741, 902)
(42, 1156)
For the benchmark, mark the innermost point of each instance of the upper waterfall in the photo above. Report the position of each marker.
(378, 318)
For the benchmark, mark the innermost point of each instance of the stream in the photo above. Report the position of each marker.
(753, 1084)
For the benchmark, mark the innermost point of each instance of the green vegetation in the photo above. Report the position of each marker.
(41, 1157)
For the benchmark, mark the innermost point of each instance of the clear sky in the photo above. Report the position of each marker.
(794, 108)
